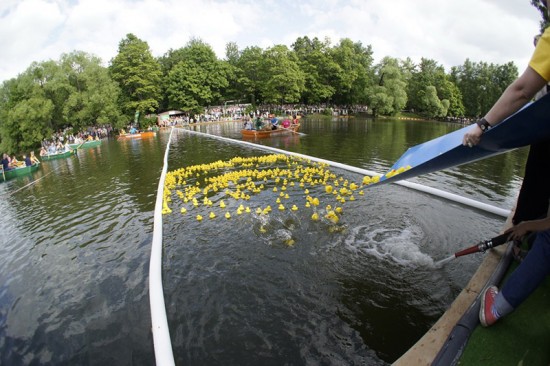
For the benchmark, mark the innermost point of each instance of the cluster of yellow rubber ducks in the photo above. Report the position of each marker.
(241, 178)
(397, 171)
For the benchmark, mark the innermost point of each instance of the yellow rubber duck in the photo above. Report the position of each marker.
(212, 215)
(227, 215)
(199, 218)
(332, 217)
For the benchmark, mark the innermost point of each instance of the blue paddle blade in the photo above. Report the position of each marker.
(527, 126)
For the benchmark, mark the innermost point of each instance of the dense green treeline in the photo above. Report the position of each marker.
(78, 91)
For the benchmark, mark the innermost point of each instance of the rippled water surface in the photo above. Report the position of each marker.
(75, 244)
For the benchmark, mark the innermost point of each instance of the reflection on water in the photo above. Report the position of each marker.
(75, 242)
(75, 259)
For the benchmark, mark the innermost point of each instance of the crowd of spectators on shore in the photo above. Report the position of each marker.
(239, 111)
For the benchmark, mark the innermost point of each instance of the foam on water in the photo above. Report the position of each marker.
(397, 245)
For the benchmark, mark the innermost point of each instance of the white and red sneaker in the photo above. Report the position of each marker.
(487, 312)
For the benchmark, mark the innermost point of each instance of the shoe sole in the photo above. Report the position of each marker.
(482, 319)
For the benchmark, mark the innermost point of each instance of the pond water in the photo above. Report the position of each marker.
(76, 237)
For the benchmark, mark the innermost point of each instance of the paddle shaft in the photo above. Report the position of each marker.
(484, 245)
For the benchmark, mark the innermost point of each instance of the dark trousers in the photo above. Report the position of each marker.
(530, 273)
(535, 190)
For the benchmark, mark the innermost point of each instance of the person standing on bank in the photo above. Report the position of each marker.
(536, 265)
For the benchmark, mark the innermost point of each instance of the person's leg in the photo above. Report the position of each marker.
(521, 283)
(530, 273)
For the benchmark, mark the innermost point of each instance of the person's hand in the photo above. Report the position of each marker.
(473, 136)
(518, 231)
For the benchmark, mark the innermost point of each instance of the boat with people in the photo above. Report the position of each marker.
(85, 145)
(136, 135)
(57, 155)
(19, 171)
(268, 133)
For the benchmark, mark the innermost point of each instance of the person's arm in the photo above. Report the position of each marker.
(519, 230)
(519, 93)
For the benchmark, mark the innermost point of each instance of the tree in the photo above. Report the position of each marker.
(25, 114)
(430, 104)
(93, 95)
(197, 77)
(232, 72)
(138, 75)
(49, 96)
(545, 21)
(451, 94)
(318, 67)
(481, 84)
(352, 78)
(283, 80)
(250, 75)
(430, 74)
(389, 96)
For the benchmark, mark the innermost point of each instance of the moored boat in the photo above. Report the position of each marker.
(269, 133)
(58, 155)
(137, 135)
(19, 172)
(85, 144)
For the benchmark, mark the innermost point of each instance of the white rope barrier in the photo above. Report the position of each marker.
(419, 187)
(161, 334)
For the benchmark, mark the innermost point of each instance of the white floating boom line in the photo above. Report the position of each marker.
(159, 323)
(161, 334)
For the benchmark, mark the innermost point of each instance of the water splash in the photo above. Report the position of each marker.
(444, 261)
(397, 245)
